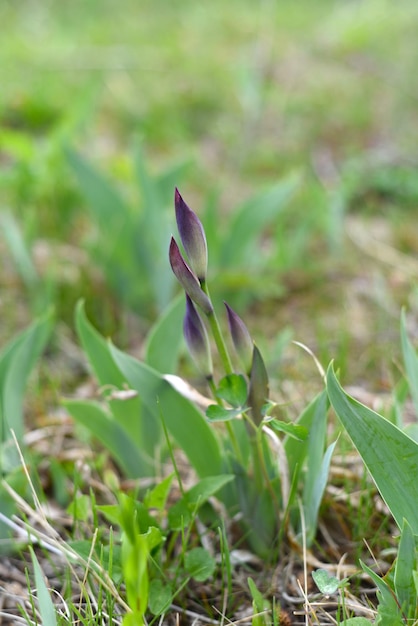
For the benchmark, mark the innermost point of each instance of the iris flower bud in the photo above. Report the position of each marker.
(197, 339)
(192, 237)
(259, 387)
(188, 279)
(241, 339)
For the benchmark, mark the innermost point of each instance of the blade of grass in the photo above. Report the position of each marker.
(316, 481)
(131, 414)
(184, 421)
(388, 609)
(46, 607)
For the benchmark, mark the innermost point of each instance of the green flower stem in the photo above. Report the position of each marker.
(234, 442)
(226, 362)
(217, 335)
(229, 428)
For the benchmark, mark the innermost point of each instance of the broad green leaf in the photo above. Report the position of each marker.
(317, 468)
(111, 512)
(390, 456)
(199, 564)
(296, 431)
(135, 520)
(164, 339)
(16, 362)
(233, 389)
(154, 537)
(326, 583)
(415, 577)
(80, 507)
(130, 414)
(133, 461)
(179, 515)
(312, 495)
(160, 597)
(261, 604)
(410, 358)
(263, 522)
(132, 619)
(156, 498)
(406, 563)
(412, 431)
(217, 413)
(46, 606)
(135, 514)
(181, 512)
(183, 420)
(207, 487)
(316, 445)
(97, 350)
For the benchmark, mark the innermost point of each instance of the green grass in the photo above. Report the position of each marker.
(296, 126)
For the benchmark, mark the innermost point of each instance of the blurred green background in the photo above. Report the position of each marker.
(308, 109)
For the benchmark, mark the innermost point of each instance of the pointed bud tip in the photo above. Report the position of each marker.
(174, 253)
(187, 278)
(241, 338)
(192, 236)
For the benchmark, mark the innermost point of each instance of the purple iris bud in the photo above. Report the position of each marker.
(197, 339)
(241, 339)
(259, 387)
(192, 237)
(188, 279)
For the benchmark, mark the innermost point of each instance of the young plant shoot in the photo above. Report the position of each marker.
(241, 397)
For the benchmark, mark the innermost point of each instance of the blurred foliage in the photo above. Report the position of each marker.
(247, 93)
